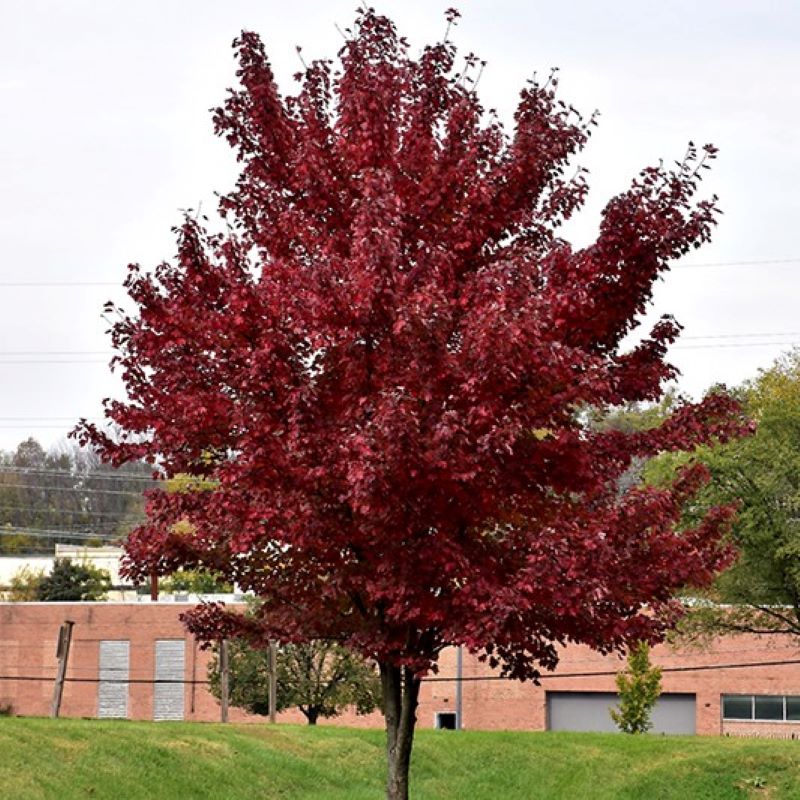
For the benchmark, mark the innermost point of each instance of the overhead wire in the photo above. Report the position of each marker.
(440, 678)
(733, 346)
(55, 284)
(753, 263)
(68, 489)
(122, 516)
(105, 476)
(32, 533)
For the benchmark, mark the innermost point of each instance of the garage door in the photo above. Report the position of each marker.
(588, 711)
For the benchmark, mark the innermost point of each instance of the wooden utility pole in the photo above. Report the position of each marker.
(62, 654)
(223, 680)
(459, 682)
(273, 682)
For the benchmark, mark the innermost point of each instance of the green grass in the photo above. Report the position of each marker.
(70, 759)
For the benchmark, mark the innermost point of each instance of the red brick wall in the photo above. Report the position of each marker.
(29, 631)
(510, 705)
(28, 637)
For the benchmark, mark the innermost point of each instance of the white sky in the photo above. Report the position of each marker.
(105, 134)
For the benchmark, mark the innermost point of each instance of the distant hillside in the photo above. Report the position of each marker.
(65, 495)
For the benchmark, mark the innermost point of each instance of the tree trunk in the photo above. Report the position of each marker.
(311, 715)
(400, 695)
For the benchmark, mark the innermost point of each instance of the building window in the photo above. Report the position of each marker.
(793, 709)
(446, 720)
(769, 707)
(761, 707)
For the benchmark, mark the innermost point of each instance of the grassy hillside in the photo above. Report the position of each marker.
(70, 759)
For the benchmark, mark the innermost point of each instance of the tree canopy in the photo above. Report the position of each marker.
(760, 592)
(65, 494)
(319, 678)
(379, 367)
(70, 581)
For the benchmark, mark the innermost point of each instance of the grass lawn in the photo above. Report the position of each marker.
(70, 759)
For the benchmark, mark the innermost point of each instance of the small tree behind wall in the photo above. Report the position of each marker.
(320, 679)
(70, 581)
(379, 368)
(639, 687)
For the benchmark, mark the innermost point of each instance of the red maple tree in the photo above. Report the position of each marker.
(380, 371)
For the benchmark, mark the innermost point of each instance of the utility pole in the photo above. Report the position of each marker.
(62, 654)
(273, 682)
(459, 681)
(223, 680)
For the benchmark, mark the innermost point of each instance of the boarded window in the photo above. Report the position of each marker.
(169, 689)
(112, 692)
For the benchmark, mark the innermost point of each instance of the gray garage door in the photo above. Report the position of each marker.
(588, 711)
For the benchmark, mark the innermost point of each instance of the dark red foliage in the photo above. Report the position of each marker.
(382, 366)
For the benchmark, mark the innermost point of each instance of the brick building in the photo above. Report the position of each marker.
(743, 685)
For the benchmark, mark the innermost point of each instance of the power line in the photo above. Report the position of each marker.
(605, 673)
(110, 353)
(754, 263)
(34, 533)
(54, 361)
(434, 679)
(733, 345)
(72, 679)
(35, 419)
(741, 335)
(58, 284)
(129, 476)
(25, 529)
(119, 284)
(77, 526)
(78, 489)
(55, 352)
(120, 516)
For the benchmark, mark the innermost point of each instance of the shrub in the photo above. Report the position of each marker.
(639, 687)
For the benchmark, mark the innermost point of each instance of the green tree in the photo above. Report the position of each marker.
(65, 494)
(24, 586)
(195, 581)
(633, 417)
(639, 687)
(319, 678)
(69, 581)
(760, 592)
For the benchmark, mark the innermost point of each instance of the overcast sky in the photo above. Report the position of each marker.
(106, 135)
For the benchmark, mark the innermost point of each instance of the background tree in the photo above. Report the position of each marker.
(760, 592)
(379, 367)
(65, 495)
(69, 581)
(321, 679)
(195, 581)
(24, 586)
(639, 688)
